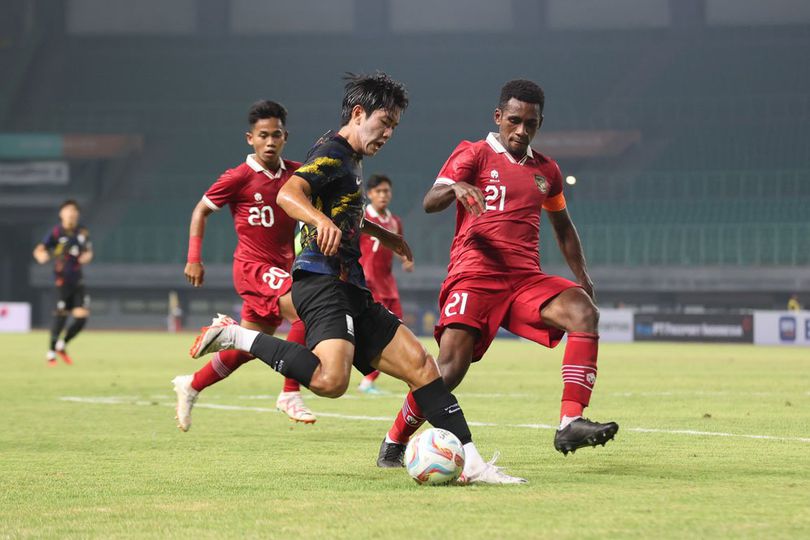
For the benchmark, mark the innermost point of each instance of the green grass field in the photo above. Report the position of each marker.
(119, 468)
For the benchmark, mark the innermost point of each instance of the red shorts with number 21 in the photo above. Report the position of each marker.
(510, 301)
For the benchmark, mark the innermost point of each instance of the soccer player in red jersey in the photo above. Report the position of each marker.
(262, 260)
(376, 259)
(494, 278)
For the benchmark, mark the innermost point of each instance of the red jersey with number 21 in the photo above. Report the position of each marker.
(506, 238)
(266, 233)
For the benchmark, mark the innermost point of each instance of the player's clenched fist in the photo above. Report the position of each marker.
(470, 197)
(328, 237)
(195, 272)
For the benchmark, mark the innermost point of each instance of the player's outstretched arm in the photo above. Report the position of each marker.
(194, 270)
(392, 241)
(441, 195)
(41, 254)
(294, 199)
(571, 247)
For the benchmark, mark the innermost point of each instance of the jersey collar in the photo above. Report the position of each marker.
(253, 164)
(495, 144)
(376, 215)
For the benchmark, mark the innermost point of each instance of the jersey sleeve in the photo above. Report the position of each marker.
(85, 243)
(555, 200)
(223, 191)
(325, 163)
(461, 166)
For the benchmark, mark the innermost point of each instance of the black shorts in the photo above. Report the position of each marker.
(333, 309)
(71, 297)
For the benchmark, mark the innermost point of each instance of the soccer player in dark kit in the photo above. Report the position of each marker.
(494, 279)
(344, 326)
(68, 245)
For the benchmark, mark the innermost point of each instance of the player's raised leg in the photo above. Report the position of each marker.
(574, 311)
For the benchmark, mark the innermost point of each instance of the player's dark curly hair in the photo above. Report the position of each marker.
(70, 202)
(522, 90)
(376, 179)
(372, 92)
(266, 109)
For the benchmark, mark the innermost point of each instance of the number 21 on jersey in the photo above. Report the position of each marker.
(456, 305)
(496, 195)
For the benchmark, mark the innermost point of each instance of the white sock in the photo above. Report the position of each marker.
(472, 459)
(389, 440)
(244, 338)
(567, 420)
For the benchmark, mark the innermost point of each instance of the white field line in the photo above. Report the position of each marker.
(118, 400)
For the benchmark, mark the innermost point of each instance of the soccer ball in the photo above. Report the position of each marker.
(434, 457)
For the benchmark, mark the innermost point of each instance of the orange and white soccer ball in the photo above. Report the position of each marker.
(434, 457)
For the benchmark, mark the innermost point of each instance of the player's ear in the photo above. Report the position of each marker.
(358, 112)
(540, 124)
(287, 135)
(497, 116)
(249, 137)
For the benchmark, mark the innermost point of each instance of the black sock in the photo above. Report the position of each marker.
(75, 328)
(290, 359)
(59, 321)
(442, 410)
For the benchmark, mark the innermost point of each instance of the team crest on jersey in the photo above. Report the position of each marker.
(258, 197)
(541, 182)
(493, 174)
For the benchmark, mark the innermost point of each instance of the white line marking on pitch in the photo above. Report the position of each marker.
(117, 400)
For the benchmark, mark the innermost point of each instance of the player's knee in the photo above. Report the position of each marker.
(584, 317)
(330, 386)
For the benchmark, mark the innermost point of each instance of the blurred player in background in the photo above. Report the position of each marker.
(376, 259)
(344, 325)
(68, 244)
(262, 260)
(793, 303)
(494, 277)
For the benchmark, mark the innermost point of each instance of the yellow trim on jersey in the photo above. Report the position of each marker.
(315, 166)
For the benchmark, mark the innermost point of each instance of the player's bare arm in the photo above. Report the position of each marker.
(392, 241)
(294, 198)
(571, 247)
(41, 254)
(441, 195)
(195, 271)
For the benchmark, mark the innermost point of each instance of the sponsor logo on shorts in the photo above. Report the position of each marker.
(349, 325)
(542, 183)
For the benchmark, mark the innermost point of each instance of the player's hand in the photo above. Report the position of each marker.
(195, 273)
(399, 246)
(329, 236)
(470, 197)
(42, 257)
(407, 265)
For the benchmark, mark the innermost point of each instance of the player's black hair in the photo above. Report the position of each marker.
(372, 92)
(376, 179)
(266, 109)
(522, 90)
(70, 202)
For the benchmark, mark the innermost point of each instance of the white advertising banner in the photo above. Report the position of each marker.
(15, 317)
(34, 173)
(615, 325)
(782, 328)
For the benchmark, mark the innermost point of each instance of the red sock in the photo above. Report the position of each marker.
(408, 420)
(221, 365)
(578, 372)
(298, 335)
(371, 377)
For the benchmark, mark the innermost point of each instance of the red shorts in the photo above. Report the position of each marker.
(261, 285)
(511, 301)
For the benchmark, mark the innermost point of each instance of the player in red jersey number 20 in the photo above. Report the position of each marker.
(262, 260)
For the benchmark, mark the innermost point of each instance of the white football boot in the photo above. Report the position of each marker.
(293, 406)
(489, 474)
(219, 336)
(186, 397)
